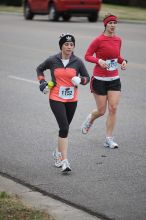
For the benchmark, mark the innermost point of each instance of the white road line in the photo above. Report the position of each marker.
(23, 79)
(24, 47)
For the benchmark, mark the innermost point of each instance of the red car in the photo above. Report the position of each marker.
(62, 8)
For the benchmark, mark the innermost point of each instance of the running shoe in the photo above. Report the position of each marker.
(57, 157)
(109, 142)
(86, 125)
(65, 166)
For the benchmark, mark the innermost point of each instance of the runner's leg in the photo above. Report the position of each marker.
(113, 101)
(64, 113)
(70, 110)
(101, 103)
(59, 110)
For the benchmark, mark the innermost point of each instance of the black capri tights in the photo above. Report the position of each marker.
(63, 113)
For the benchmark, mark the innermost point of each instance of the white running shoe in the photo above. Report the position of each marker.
(65, 166)
(57, 157)
(86, 125)
(109, 142)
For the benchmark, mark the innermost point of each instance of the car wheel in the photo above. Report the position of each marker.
(53, 15)
(66, 17)
(28, 15)
(93, 17)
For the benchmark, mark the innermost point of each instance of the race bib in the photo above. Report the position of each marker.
(66, 92)
(112, 64)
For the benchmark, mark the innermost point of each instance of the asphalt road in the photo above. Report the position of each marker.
(107, 183)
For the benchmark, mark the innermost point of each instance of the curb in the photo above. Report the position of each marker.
(58, 210)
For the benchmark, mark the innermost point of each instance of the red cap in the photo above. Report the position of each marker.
(109, 18)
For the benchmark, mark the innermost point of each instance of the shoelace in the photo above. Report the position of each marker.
(111, 141)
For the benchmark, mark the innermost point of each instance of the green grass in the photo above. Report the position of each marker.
(12, 208)
(12, 9)
(123, 12)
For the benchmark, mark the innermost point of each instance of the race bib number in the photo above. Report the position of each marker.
(112, 64)
(66, 92)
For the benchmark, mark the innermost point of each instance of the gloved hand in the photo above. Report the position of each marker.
(44, 86)
(76, 80)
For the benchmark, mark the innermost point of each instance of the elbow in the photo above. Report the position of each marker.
(37, 70)
(86, 57)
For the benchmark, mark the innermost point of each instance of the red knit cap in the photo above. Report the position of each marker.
(109, 18)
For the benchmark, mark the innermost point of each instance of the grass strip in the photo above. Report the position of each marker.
(123, 12)
(12, 208)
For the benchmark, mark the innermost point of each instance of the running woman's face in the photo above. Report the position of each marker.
(111, 26)
(67, 48)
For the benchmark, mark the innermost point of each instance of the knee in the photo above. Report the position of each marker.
(98, 113)
(112, 109)
(101, 112)
(63, 132)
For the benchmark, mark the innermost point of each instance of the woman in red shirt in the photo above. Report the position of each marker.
(67, 72)
(105, 83)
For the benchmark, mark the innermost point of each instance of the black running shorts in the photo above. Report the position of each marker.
(101, 87)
